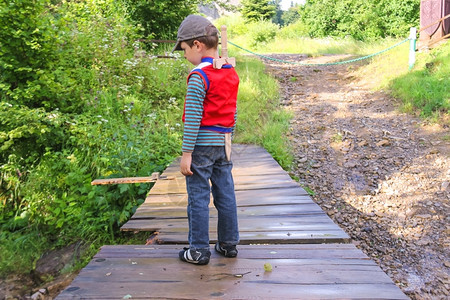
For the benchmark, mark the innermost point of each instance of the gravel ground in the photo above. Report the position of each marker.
(382, 175)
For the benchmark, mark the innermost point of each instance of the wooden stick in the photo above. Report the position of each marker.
(155, 176)
(438, 21)
(224, 59)
(224, 41)
(438, 40)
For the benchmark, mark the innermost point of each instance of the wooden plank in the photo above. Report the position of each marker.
(177, 200)
(123, 180)
(179, 186)
(265, 167)
(267, 210)
(251, 224)
(279, 237)
(243, 197)
(152, 272)
(279, 251)
(284, 271)
(269, 207)
(157, 289)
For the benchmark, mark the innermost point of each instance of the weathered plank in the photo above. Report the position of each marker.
(123, 180)
(271, 206)
(254, 223)
(243, 198)
(279, 237)
(293, 251)
(308, 272)
(178, 186)
(267, 210)
(273, 211)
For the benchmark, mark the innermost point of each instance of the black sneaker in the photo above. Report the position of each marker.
(199, 257)
(226, 250)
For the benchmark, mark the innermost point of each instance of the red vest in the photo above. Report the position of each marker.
(221, 85)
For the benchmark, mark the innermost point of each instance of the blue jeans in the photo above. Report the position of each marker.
(209, 163)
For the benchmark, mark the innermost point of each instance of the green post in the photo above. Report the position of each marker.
(412, 47)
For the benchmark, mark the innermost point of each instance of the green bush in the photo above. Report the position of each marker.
(235, 23)
(160, 18)
(262, 32)
(425, 89)
(360, 19)
(28, 42)
(293, 31)
(114, 112)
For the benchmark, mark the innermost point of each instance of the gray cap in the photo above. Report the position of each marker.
(194, 26)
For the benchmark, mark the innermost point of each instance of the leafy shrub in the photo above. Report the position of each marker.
(115, 112)
(262, 32)
(360, 19)
(293, 31)
(235, 23)
(160, 18)
(424, 90)
(28, 42)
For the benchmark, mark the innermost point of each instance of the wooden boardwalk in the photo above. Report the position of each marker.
(279, 224)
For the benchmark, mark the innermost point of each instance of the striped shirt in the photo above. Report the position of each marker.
(193, 135)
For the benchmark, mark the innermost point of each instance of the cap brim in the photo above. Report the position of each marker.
(177, 47)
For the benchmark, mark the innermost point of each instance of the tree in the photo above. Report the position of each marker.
(255, 10)
(290, 16)
(360, 19)
(160, 18)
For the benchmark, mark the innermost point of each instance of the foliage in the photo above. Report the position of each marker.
(289, 16)
(425, 89)
(262, 32)
(160, 18)
(256, 33)
(115, 113)
(397, 17)
(256, 10)
(28, 42)
(360, 19)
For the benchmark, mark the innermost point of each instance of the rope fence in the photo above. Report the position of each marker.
(322, 64)
(412, 49)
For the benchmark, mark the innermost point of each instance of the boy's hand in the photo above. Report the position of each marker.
(185, 165)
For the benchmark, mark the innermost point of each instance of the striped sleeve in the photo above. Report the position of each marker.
(193, 111)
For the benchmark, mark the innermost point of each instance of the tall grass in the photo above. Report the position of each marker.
(261, 120)
(426, 90)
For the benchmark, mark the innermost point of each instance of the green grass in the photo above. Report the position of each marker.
(426, 89)
(317, 47)
(422, 90)
(261, 120)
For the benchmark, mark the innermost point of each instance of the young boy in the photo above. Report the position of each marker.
(209, 114)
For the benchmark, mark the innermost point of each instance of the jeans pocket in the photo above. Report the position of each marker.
(203, 156)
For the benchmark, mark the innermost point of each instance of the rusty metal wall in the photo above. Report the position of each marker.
(446, 12)
(430, 11)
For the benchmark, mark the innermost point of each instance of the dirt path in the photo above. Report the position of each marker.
(383, 176)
